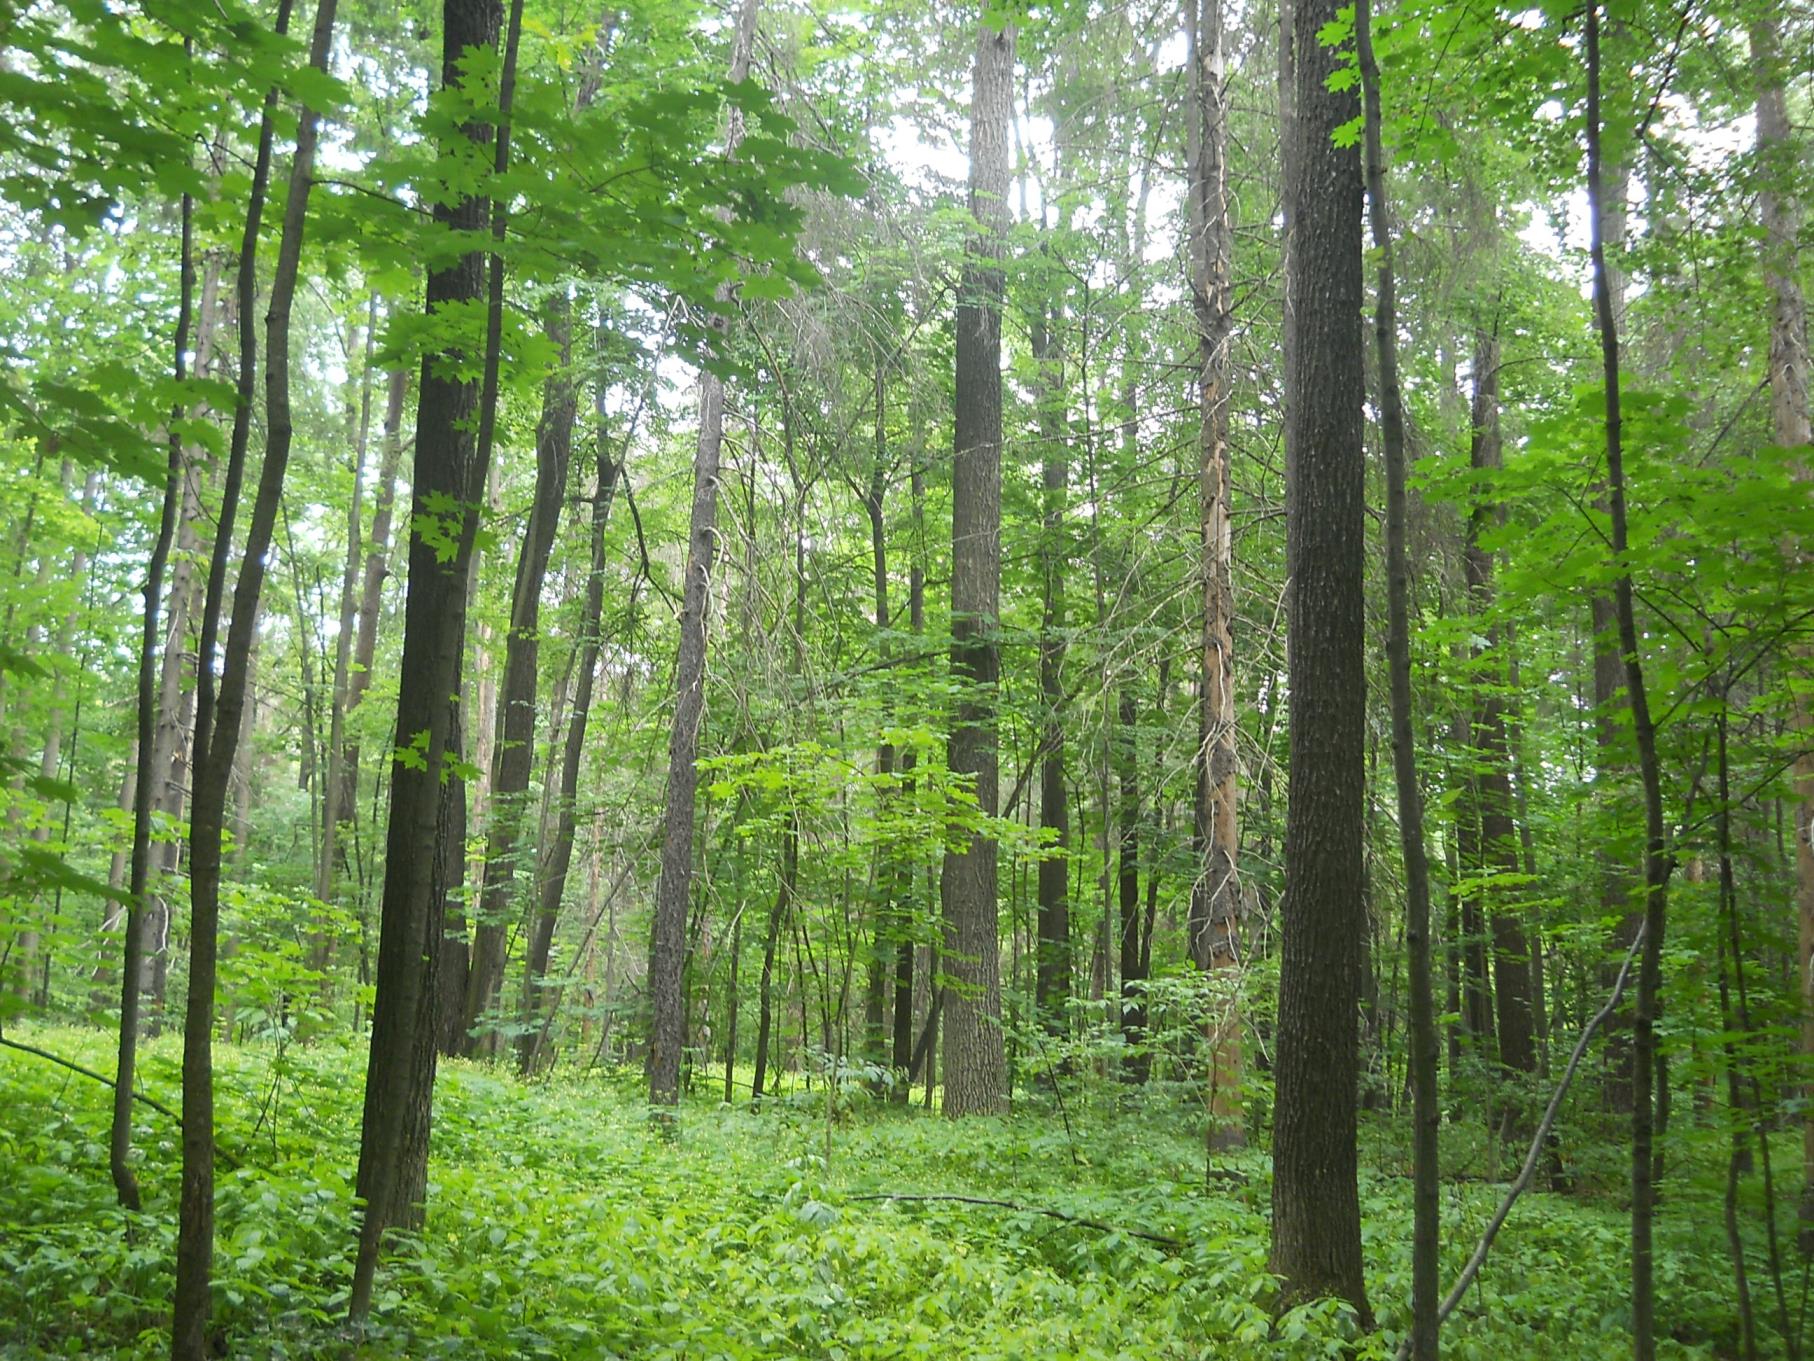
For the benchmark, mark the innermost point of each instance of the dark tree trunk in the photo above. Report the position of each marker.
(1052, 972)
(560, 855)
(975, 1063)
(217, 720)
(904, 1058)
(1498, 834)
(448, 468)
(1657, 863)
(513, 750)
(119, 1159)
(1426, 1113)
(1127, 886)
(667, 945)
(1315, 1199)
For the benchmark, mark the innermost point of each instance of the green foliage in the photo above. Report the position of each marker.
(562, 1224)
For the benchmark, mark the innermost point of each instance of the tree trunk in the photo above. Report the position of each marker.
(1780, 208)
(975, 1063)
(667, 946)
(1656, 853)
(1498, 847)
(1426, 1114)
(553, 884)
(217, 718)
(1052, 972)
(513, 749)
(449, 467)
(904, 960)
(119, 1158)
(334, 792)
(1215, 902)
(1315, 1199)
(1127, 887)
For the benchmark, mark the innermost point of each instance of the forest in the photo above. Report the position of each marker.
(857, 678)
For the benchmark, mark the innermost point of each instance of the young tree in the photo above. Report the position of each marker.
(218, 730)
(1322, 916)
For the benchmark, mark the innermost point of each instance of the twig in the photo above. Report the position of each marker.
(1164, 1240)
(102, 1078)
(1517, 1188)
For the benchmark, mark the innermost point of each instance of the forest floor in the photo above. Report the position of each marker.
(562, 1224)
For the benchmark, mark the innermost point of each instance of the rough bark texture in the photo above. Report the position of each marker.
(446, 469)
(1315, 1200)
(1426, 1114)
(975, 1062)
(1215, 902)
(1780, 207)
(667, 946)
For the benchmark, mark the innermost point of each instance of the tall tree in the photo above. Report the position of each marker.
(1656, 853)
(513, 748)
(447, 485)
(1497, 845)
(1215, 903)
(1779, 204)
(1426, 1112)
(125, 1182)
(218, 732)
(1315, 1198)
(975, 1060)
(667, 945)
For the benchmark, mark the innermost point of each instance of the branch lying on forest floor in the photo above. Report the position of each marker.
(102, 1078)
(1164, 1240)
(1538, 1143)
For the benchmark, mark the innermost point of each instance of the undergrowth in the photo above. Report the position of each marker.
(562, 1224)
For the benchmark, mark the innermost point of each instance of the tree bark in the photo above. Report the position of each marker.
(1426, 1113)
(449, 469)
(1656, 854)
(334, 791)
(1781, 210)
(513, 749)
(1134, 1065)
(1498, 845)
(119, 1151)
(217, 718)
(1052, 971)
(553, 886)
(1315, 1199)
(1215, 902)
(975, 1062)
(667, 946)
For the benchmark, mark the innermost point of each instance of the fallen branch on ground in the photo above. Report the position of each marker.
(1164, 1240)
